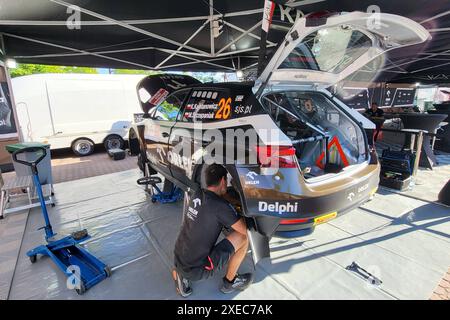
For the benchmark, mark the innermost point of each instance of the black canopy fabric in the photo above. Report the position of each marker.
(176, 34)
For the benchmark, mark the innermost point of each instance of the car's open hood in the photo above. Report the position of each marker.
(325, 54)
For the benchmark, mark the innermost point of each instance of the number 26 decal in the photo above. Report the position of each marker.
(224, 109)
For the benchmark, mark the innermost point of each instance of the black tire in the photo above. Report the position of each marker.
(108, 271)
(141, 163)
(113, 141)
(33, 258)
(82, 288)
(83, 147)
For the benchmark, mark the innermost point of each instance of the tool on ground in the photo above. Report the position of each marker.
(83, 269)
(157, 194)
(364, 273)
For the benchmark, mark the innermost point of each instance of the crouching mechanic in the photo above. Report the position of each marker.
(197, 256)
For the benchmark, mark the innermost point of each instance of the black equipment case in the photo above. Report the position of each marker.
(396, 169)
(116, 154)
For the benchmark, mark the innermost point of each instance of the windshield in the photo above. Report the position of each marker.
(329, 50)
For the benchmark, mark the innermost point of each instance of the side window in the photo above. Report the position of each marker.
(168, 109)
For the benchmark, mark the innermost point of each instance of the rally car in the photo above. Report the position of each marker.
(311, 159)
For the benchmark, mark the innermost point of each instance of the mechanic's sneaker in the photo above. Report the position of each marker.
(240, 282)
(182, 285)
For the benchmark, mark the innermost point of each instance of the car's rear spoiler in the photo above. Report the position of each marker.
(152, 90)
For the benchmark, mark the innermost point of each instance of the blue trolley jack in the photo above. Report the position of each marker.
(157, 194)
(83, 268)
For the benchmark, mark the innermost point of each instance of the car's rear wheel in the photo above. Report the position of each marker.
(83, 147)
(114, 141)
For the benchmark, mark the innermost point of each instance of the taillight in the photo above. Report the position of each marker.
(276, 156)
(293, 221)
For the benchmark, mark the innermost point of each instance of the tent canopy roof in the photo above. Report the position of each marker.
(179, 35)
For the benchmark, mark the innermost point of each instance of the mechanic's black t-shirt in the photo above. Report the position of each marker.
(378, 113)
(204, 219)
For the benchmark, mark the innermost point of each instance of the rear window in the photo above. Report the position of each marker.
(329, 50)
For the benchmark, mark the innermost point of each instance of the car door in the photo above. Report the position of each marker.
(157, 132)
(187, 136)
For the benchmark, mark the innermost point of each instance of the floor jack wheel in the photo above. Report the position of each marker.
(82, 288)
(33, 258)
(108, 271)
(78, 235)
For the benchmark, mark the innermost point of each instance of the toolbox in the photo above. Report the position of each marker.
(397, 161)
(396, 169)
(394, 180)
(116, 154)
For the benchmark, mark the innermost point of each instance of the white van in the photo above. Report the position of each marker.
(76, 110)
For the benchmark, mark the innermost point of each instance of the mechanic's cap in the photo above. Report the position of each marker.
(214, 173)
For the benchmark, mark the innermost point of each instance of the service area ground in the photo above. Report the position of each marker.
(402, 238)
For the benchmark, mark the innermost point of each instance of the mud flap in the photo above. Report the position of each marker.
(259, 245)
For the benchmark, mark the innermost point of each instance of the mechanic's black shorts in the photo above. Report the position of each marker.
(217, 259)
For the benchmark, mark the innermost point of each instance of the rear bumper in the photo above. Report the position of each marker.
(306, 228)
(307, 208)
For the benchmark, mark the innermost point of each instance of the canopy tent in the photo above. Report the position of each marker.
(199, 35)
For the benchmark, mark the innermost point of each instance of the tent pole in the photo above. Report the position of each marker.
(211, 26)
(127, 26)
(182, 46)
(76, 50)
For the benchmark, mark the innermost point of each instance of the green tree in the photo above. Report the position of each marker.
(133, 71)
(24, 69)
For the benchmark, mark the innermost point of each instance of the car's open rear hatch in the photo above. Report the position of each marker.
(325, 51)
(326, 139)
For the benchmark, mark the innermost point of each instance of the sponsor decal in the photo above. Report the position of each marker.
(239, 98)
(251, 176)
(161, 153)
(159, 96)
(240, 109)
(269, 7)
(197, 202)
(350, 196)
(277, 207)
(363, 188)
(179, 161)
(325, 218)
(175, 85)
(191, 213)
